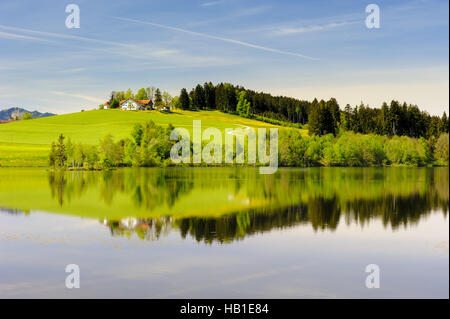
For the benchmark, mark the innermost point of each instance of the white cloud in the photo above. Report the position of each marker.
(311, 28)
(14, 36)
(212, 3)
(238, 14)
(139, 51)
(58, 35)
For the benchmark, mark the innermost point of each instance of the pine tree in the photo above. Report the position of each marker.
(314, 119)
(184, 99)
(444, 124)
(60, 152)
(327, 123)
(221, 97)
(231, 100)
(347, 118)
(114, 104)
(394, 118)
(199, 97)
(158, 98)
(333, 107)
(210, 95)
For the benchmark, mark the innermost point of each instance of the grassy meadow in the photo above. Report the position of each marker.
(27, 143)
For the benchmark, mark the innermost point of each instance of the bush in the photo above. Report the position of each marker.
(441, 149)
(293, 148)
(407, 151)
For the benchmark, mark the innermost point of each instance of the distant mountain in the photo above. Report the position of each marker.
(6, 113)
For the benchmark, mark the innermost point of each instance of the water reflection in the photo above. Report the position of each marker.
(222, 205)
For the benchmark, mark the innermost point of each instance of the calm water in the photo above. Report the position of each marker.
(221, 232)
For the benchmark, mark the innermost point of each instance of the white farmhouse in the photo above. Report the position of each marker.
(132, 104)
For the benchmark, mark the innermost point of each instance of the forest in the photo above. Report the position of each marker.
(149, 145)
(322, 117)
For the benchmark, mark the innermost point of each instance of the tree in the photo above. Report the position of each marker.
(110, 152)
(129, 94)
(441, 151)
(328, 124)
(443, 128)
(70, 152)
(433, 127)
(120, 96)
(112, 96)
(141, 95)
(167, 98)
(137, 132)
(184, 99)
(52, 155)
(199, 97)
(230, 98)
(210, 95)
(321, 119)
(27, 116)
(243, 106)
(347, 118)
(89, 155)
(333, 106)
(394, 118)
(191, 99)
(158, 98)
(150, 92)
(314, 119)
(114, 104)
(176, 102)
(386, 119)
(221, 97)
(60, 152)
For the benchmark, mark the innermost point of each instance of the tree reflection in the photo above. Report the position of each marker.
(322, 197)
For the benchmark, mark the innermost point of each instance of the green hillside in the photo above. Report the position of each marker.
(26, 143)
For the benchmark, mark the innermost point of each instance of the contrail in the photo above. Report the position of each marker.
(55, 35)
(245, 44)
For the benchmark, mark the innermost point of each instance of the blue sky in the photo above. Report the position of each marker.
(303, 49)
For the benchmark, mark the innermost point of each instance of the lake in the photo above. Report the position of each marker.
(225, 233)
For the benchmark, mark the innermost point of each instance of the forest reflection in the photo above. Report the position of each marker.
(246, 203)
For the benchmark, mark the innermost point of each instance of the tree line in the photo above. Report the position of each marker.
(361, 150)
(322, 117)
(150, 145)
(227, 97)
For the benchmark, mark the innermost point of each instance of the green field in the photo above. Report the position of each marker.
(26, 143)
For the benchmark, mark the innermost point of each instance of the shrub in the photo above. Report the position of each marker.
(442, 149)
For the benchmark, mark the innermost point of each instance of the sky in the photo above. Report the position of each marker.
(298, 48)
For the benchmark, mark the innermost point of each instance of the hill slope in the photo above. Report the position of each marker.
(26, 143)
